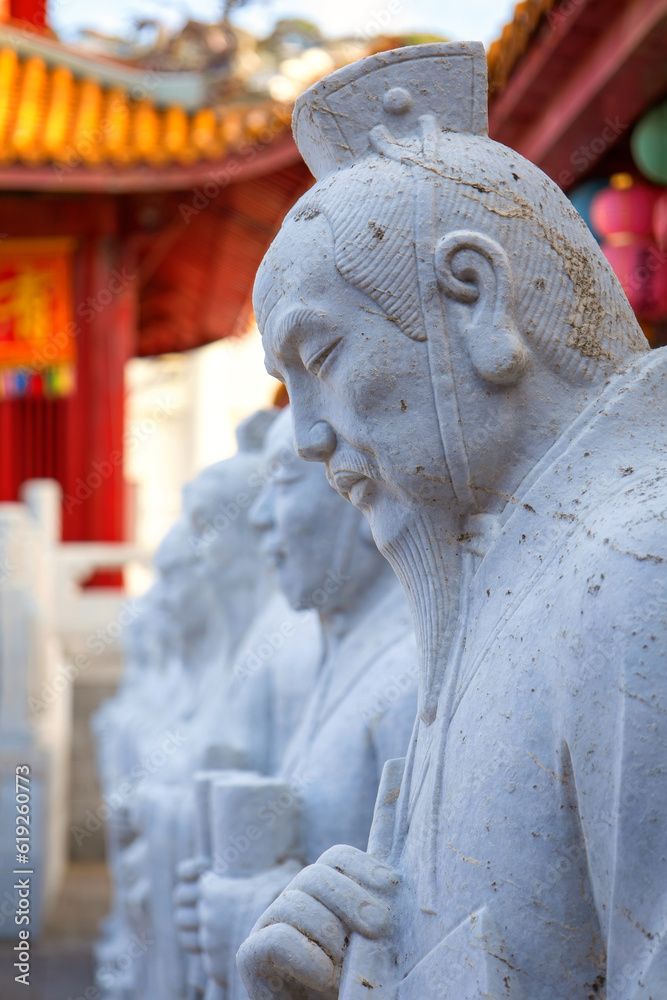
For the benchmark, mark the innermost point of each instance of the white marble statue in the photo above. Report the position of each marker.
(133, 739)
(461, 357)
(359, 714)
(173, 715)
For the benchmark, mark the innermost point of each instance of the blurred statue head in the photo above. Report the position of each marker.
(183, 604)
(216, 504)
(319, 546)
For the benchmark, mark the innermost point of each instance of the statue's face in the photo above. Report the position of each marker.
(183, 597)
(180, 577)
(216, 506)
(360, 388)
(299, 519)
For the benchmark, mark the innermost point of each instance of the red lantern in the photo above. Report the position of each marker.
(624, 211)
(641, 269)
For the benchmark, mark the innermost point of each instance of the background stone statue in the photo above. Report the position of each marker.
(459, 353)
(129, 730)
(360, 711)
(172, 714)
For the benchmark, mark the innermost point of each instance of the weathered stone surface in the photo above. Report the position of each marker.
(212, 600)
(360, 712)
(461, 357)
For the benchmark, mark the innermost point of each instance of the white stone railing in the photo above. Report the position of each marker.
(44, 616)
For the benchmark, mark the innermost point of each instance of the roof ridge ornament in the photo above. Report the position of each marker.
(417, 90)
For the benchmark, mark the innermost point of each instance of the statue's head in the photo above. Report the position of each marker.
(434, 296)
(315, 543)
(179, 584)
(216, 504)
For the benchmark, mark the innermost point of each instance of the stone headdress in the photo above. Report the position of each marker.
(388, 104)
(391, 96)
(410, 128)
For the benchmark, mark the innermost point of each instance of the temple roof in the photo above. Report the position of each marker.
(569, 78)
(503, 54)
(47, 115)
(80, 121)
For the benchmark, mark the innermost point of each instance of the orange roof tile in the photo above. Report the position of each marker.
(49, 116)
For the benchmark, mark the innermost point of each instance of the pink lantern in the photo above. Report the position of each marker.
(641, 269)
(627, 210)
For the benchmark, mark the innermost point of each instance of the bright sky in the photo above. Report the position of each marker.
(458, 19)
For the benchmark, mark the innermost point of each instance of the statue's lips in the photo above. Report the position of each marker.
(345, 481)
(274, 556)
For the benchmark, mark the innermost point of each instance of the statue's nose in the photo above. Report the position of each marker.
(316, 444)
(260, 513)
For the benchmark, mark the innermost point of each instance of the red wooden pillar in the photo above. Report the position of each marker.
(78, 440)
(105, 283)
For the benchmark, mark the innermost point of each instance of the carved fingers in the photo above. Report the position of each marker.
(297, 940)
(311, 918)
(216, 917)
(304, 934)
(358, 909)
(190, 869)
(185, 900)
(278, 962)
(362, 867)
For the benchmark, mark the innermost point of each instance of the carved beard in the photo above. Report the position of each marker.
(427, 560)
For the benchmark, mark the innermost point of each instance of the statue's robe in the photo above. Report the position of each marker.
(216, 731)
(359, 714)
(531, 828)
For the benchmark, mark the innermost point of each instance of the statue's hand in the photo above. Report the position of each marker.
(226, 911)
(217, 912)
(123, 825)
(185, 899)
(300, 941)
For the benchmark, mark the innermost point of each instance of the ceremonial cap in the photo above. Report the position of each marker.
(446, 81)
(251, 432)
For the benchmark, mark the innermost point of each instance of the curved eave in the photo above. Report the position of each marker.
(185, 88)
(581, 84)
(282, 152)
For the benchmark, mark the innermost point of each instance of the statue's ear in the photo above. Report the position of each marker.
(474, 271)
